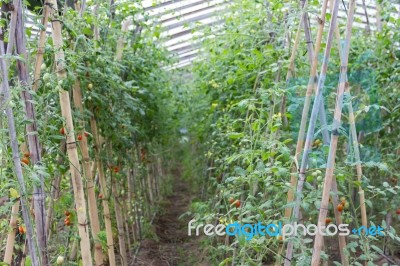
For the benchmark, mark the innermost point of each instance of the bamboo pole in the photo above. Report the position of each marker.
(71, 142)
(103, 189)
(334, 137)
(307, 103)
(41, 46)
(355, 142)
(325, 134)
(120, 224)
(366, 16)
(311, 127)
(11, 234)
(32, 136)
(118, 211)
(120, 44)
(326, 141)
(15, 152)
(290, 71)
(55, 188)
(92, 203)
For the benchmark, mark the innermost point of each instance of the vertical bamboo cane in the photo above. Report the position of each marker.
(103, 189)
(120, 224)
(11, 234)
(307, 103)
(326, 141)
(71, 142)
(15, 153)
(55, 188)
(41, 46)
(334, 137)
(311, 127)
(32, 136)
(290, 71)
(92, 204)
(355, 143)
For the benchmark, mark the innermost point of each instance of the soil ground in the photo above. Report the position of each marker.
(173, 246)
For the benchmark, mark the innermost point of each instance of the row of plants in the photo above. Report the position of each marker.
(92, 113)
(248, 124)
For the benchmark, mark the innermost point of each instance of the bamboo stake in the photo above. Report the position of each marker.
(290, 71)
(311, 127)
(71, 142)
(354, 136)
(378, 17)
(15, 152)
(82, 8)
(356, 149)
(118, 211)
(103, 189)
(120, 224)
(55, 189)
(326, 141)
(41, 46)
(11, 234)
(357, 156)
(366, 16)
(120, 44)
(307, 103)
(325, 133)
(92, 204)
(32, 136)
(335, 136)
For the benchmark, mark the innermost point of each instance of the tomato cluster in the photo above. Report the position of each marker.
(67, 220)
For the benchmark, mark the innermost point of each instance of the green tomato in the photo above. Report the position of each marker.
(46, 77)
(315, 173)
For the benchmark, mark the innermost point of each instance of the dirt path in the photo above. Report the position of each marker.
(173, 247)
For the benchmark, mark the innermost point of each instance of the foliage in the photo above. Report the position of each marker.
(249, 151)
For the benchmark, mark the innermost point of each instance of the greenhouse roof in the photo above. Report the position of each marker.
(178, 18)
(180, 21)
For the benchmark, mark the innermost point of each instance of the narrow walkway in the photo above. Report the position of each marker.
(173, 247)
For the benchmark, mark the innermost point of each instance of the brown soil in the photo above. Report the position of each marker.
(173, 246)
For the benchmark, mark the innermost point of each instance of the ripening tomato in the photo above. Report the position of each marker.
(231, 200)
(62, 131)
(21, 229)
(25, 161)
(79, 137)
(67, 221)
(116, 169)
(328, 220)
(237, 203)
(340, 207)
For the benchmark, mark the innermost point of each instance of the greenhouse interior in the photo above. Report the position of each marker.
(200, 132)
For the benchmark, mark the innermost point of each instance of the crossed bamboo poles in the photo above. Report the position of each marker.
(330, 181)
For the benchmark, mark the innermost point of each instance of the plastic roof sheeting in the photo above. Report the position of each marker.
(177, 20)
